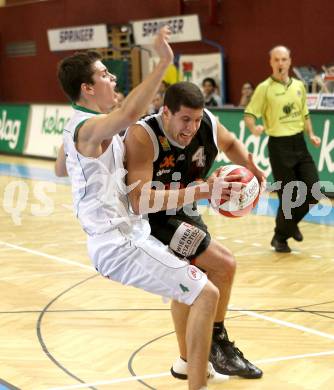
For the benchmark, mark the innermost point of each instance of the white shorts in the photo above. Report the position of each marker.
(148, 265)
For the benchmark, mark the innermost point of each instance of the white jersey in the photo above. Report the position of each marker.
(98, 189)
(119, 242)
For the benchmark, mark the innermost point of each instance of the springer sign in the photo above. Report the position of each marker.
(78, 38)
(184, 28)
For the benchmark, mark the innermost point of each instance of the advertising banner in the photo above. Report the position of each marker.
(78, 38)
(196, 67)
(45, 129)
(184, 28)
(13, 125)
(323, 124)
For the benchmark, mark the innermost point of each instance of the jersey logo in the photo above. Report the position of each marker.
(168, 162)
(162, 172)
(288, 108)
(164, 143)
(181, 157)
(199, 157)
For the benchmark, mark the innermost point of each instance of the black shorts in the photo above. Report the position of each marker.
(187, 236)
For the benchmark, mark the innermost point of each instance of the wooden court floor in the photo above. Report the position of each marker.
(65, 327)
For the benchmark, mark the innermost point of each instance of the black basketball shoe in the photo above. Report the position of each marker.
(227, 359)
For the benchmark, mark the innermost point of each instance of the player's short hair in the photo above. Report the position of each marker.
(75, 70)
(184, 94)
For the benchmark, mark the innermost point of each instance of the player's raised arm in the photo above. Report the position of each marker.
(135, 104)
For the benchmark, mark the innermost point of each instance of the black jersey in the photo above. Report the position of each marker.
(184, 232)
(177, 164)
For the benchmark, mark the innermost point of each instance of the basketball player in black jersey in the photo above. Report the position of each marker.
(171, 150)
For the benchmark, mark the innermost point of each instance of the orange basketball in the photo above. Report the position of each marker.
(241, 202)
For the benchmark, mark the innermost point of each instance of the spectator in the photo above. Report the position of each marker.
(156, 103)
(324, 82)
(247, 90)
(210, 88)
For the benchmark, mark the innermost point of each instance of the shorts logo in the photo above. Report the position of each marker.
(183, 288)
(194, 273)
(186, 239)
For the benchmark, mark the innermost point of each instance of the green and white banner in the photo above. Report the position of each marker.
(323, 124)
(13, 125)
(45, 130)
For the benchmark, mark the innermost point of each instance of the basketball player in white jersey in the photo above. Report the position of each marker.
(119, 242)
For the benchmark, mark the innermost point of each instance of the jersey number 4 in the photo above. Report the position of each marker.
(199, 157)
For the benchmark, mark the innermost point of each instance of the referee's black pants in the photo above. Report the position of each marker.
(290, 162)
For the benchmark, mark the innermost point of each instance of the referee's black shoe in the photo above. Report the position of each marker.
(298, 235)
(227, 359)
(280, 245)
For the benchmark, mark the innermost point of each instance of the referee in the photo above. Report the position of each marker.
(281, 102)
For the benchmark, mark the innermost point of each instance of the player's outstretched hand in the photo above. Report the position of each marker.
(162, 46)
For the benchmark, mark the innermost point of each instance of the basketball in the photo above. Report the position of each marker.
(241, 202)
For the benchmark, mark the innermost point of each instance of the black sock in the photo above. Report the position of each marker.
(218, 327)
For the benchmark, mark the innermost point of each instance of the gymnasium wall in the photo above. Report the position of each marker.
(246, 28)
(33, 78)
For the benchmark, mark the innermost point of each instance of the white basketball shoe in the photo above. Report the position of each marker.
(179, 370)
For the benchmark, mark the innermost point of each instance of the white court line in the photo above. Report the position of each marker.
(306, 355)
(162, 374)
(120, 380)
(287, 324)
(52, 257)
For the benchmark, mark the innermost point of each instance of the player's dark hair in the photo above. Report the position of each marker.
(75, 70)
(183, 94)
